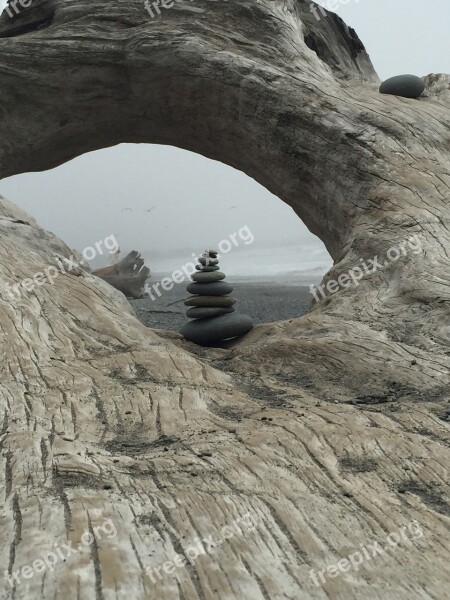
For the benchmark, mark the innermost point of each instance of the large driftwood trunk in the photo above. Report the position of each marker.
(104, 419)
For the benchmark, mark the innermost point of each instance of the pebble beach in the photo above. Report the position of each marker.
(263, 301)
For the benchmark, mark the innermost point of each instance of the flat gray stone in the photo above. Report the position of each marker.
(217, 288)
(212, 301)
(206, 261)
(205, 331)
(407, 86)
(208, 277)
(206, 312)
(206, 269)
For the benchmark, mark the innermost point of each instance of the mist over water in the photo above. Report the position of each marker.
(302, 263)
(169, 204)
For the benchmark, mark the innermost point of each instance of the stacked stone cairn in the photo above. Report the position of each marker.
(211, 307)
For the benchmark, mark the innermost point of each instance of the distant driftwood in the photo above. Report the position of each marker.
(128, 275)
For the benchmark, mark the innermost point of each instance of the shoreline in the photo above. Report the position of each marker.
(290, 279)
(264, 301)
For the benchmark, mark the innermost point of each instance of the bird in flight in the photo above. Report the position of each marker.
(124, 209)
(150, 209)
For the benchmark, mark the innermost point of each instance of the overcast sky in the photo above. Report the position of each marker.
(196, 202)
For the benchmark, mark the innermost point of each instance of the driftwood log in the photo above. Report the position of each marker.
(328, 432)
(128, 275)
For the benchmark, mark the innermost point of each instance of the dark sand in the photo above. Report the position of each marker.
(264, 302)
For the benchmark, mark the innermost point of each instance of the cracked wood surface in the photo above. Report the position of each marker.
(103, 419)
(328, 430)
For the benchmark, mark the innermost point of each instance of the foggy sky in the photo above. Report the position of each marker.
(196, 202)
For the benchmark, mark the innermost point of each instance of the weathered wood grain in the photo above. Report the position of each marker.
(327, 431)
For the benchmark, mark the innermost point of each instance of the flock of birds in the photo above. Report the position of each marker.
(149, 210)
